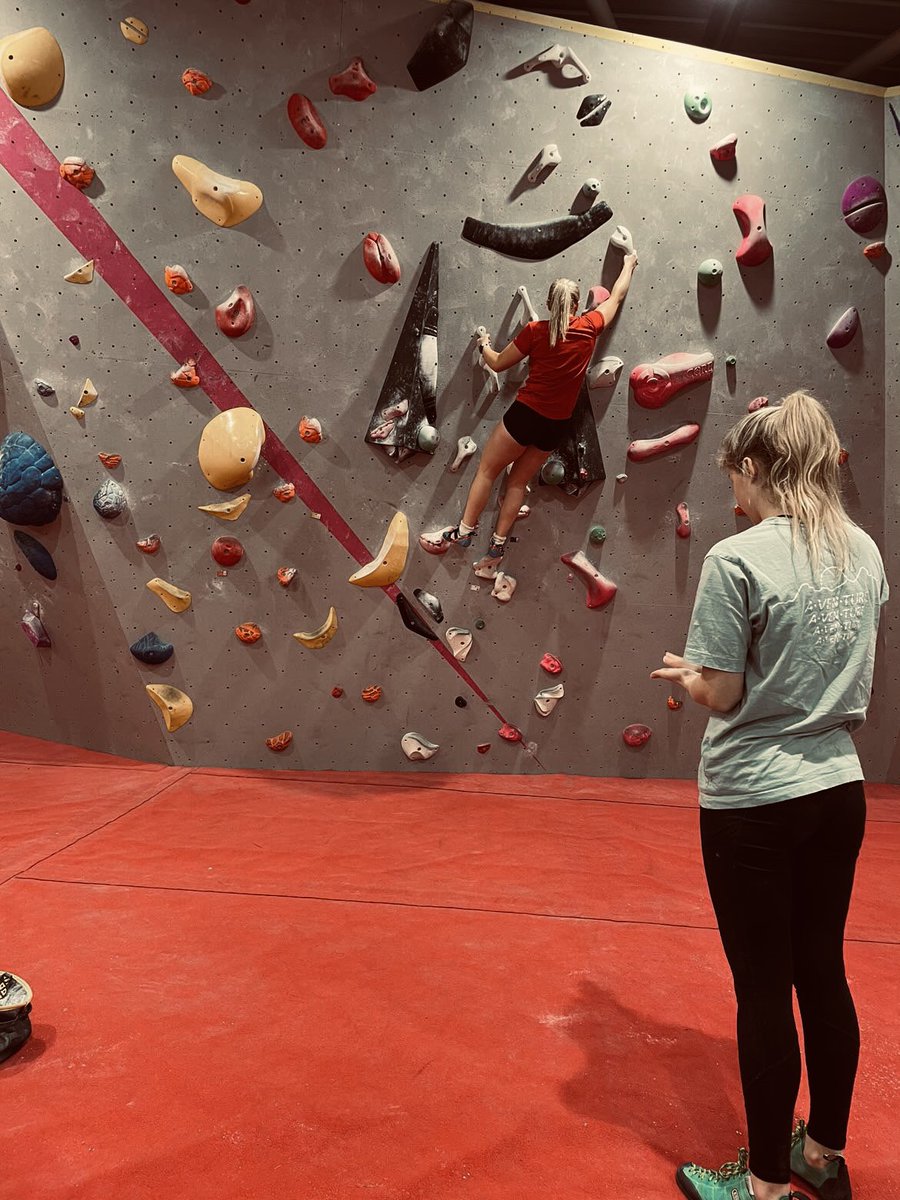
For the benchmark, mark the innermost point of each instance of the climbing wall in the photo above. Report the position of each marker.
(411, 165)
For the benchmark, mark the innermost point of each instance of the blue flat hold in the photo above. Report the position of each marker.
(30, 483)
(36, 553)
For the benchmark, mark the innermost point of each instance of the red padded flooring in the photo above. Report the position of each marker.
(401, 1016)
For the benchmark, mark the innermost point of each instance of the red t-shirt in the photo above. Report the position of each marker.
(555, 372)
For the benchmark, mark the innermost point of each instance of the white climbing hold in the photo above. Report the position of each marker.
(418, 748)
(504, 586)
(621, 478)
(563, 57)
(460, 641)
(465, 448)
(82, 274)
(548, 158)
(622, 240)
(603, 374)
(493, 378)
(522, 293)
(548, 698)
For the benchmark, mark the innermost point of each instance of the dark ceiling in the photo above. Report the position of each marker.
(856, 39)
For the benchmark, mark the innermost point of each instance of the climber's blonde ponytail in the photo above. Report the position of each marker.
(562, 300)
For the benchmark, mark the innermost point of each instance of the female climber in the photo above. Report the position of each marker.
(780, 648)
(537, 421)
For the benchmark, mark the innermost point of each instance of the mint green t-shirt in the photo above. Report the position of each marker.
(806, 647)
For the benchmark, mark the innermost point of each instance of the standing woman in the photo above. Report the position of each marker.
(781, 648)
(536, 423)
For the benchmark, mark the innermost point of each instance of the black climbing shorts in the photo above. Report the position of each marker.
(529, 428)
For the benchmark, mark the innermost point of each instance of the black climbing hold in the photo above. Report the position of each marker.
(152, 649)
(461, 702)
(444, 50)
(593, 109)
(537, 242)
(37, 554)
(413, 621)
(479, 624)
(580, 454)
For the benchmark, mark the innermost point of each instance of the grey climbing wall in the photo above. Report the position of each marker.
(412, 166)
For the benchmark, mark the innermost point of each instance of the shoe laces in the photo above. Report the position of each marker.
(729, 1170)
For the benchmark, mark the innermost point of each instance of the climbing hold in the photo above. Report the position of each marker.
(174, 598)
(280, 741)
(654, 384)
(682, 520)
(725, 150)
(483, 747)
(593, 109)
(600, 590)
(196, 82)
(645, 448)
(548, 158)
(579, 452)
(380, 258)
(88, 394)
(110, 461)
(697, 105)
(540, 241)
(461, 702)
(77, 172)
(595, 297)
(31, 66)
(152, 650)
(227, 551)
(352, 82)
(37, 554)
(224, 201)
(551, 664)
(322, 636)
(285, 492)
(478, 359)
(229, 448)
(460, 642)
(177, 280)
(709, 273)
(444, 50)
(844, 329)
(187, 375)
(285, 575)
(553, 471)
(33, 627)
(621, 239)
(465, 448)
(44, 389)
(237, 313)
(248, 631)
(371, 694)
(110, 500)
(751, 217)
(605, 373)
(504, 586)
(758, 403)
(430, 603)
(417, 748)
(864, 204)
(413, 621)
(479, 624)
(310, 430)
(388, 564)
(621, 477)
(590, 189)
(843, 457)
(134, 30)
(149, 545)
(548, 698)
(522, 293)
(564, 57)
(337, 692)
(82, 274)
(227, 510)
(875, 250)
(427, 437)
(77, 413)
(636, 735)
(509, 733)
(73, 338)
(597, 536)
(308, 125)
(674, 704)
(730, 360)
(174, 704)
(30, 484)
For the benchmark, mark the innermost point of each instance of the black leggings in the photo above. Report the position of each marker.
(780, 878)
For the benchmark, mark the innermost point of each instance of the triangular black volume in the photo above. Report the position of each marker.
(413, 621)
(408, 396)
(580, 453)
(444, 50)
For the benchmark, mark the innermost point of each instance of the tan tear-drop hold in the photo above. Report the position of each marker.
(82, 274)
(387, 565)
(227, 510)
(322, 636)
(32, 69)
(229, 448)
(223, 201)
(173, 597)
(174, 704)
(88, 394)
(134, 30)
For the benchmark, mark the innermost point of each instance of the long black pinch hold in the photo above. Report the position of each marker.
(413, 621)
(537, 242)
(593, 109)
(405, 416)
(444, 50)
(580, 453)
(894, 115)
(36, 553)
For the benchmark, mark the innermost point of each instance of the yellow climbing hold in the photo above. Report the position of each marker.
(173, 597)
(174, 704)
(227, 510)
(321, 636)
(388, 564)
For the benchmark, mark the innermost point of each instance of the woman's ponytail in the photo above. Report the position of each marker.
(562, 300)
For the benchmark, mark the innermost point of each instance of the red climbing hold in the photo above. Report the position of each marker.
(306, 121)
(353, 82)
(645, 448)
(552, 664)
(751, 216)
(196, 82)
(227, 551)
(636, 735)
(682, 520)
(758, 403)
(655, 383)
(337, 692)
(483, 747)
(380, 259)
(235, 316)
(509, 733)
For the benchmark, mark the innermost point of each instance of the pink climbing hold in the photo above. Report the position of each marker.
(595, 297)
(353, 82)
(380, 258)
(844, 330)
(600, 590)
(758, 403)
(307, 123)
(725, 150)
(509, 733)
(483, 747)
(552, 664)
(751, 217)
(235, 316)
(645, 448)
(682, 520)
(636, 735)
(654, 384)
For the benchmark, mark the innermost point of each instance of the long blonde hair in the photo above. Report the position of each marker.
(562, 300)
(796, 448)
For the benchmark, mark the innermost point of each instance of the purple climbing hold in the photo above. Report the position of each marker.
(33, 627)
(864, 204)
(30, 484)
(36, 553)
(844, 330)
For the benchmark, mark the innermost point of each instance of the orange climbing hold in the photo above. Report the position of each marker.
(77, 172)
(371, 694)
(248, 632)
(284, 492)
(196, 82)
(186, 376)
(110, 461)
(286, 575)
(177, 280)
(280, 741)
(310, 430)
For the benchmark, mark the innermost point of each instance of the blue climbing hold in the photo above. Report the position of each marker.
(152, 649)
(37, 554)
(30, 483)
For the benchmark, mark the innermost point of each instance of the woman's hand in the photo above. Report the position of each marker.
(677, 670)
(720, 691)
(630, 261)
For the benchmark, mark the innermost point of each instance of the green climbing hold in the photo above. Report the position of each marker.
(697, 105)
(731, 361)
(710, 272)
(597, 536)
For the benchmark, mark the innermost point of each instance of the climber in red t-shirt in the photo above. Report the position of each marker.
(537, 421)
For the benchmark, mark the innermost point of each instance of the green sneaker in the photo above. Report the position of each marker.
(831, 1182)
(730, 1182)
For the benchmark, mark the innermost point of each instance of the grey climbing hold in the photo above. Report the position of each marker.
(593, 109)
(44, 389)
(479, 624)
(548, 698)
(522, 293)
(731, 361)
(546, 161)
(37, 554)
(540, 241)
(427, 437)
(465, 448)
(710, 272)
(564, 58)
(553, 472)
(605, 373)
(460, 642)
(444, 50)
(151, 649)
(30, 484)
(110, 500)
(418, 748)
(621, 239)
(430, 603)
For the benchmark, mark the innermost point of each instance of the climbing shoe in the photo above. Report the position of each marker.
(831, 1182)
(730, 1182)
(15, 1005)
(439, 541)
(487, 567)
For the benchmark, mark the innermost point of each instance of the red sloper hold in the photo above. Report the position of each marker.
(509, 733)
(353, 82)
(682, 520)
(235, 316)
(751, 217)
(380, 258)
(306, 121)
(654, 384)
(645, 448)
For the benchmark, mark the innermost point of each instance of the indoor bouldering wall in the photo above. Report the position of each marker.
(412, 166)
